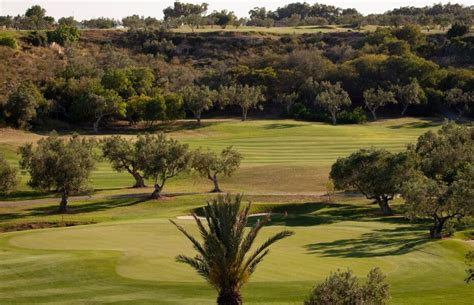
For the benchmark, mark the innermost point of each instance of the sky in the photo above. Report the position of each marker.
(86, 9)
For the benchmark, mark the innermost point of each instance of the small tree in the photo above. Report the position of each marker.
(442, 187)
(343, 288)
(223, 257)
(25, 105)
(209, 165)
(122, 154)
(470, 270)
(60, 165)
(198, 99)
(246, 97)
(408, 95)
(375, 99)
(332, 98)
(8, 176)
(160, 159)
(155, 110)
(376, 173)
(460, 100)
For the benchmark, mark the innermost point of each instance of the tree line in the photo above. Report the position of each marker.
(64, 166)
(292, 14)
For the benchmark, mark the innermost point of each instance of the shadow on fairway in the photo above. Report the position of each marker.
(281, 126)
(426, 123)
(381, 242)
(97, 206)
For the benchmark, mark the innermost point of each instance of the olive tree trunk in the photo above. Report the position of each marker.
(438, 226)
(383, 204)
(216, 184)
(333, 117)
(157, 192)
(63, 203)
(244, 114)
(229, 297)
(139, 182)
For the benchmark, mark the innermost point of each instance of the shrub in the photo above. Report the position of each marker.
(9, 42)
(343, 288)
(356, 116)
(457, 30)
(37, 38)
(63, 34)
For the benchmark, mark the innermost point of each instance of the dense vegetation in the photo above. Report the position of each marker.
(150, 74)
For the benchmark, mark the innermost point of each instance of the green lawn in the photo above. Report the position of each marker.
(127, 255)
(280, 156)
(129, 258)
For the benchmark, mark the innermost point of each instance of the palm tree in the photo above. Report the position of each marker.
(222, 256)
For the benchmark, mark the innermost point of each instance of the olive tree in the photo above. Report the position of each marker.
(198, 99)
(460, 100)
(25, 105)
(58, 164)
(123, 156)
(160, 159)
(442, 187)
(332, 98)
(208, 164)
(376, 173)
(470, 270)
(375, 99)
(8, 176)
(343, 288)
(408, 95)
(245, 96)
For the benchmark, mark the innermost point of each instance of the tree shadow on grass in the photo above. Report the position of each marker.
(97, 206)
(426, 123)
(281, 126)
(382, 242)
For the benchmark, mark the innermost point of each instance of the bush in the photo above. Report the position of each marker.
(37, 38)
(9, 42)
(343, 288)
(457, 30)
(63, 34)
(356, 116)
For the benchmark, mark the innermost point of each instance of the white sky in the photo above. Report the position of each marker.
(86, 9)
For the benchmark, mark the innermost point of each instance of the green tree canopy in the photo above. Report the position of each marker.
(208, 164)
(332, 98)
(58, 164)
(198, 99)
(376, 173)
(123, 156)
(25, 105)
(8, 176)
(245, 96)
(375, 99)
(442, 187)
(161, 159)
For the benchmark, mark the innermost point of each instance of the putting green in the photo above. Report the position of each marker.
(140, 254)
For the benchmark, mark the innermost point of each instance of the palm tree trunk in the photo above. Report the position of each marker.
(229, 296)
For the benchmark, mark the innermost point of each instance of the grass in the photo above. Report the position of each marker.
(129, 258)
(125, 254)
(280, 156)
